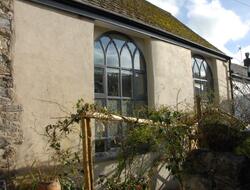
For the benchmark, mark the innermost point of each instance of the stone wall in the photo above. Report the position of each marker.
(10, 111)
(206, 170)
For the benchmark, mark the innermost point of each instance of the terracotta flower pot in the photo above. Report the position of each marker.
(54, 185)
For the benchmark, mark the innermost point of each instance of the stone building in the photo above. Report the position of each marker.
(121, 54)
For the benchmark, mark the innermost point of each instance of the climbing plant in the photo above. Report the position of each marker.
(165, 133)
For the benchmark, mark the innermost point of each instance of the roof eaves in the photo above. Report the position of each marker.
(101, 12)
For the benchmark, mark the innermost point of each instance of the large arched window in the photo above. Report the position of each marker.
(203, 80)
(120, 82)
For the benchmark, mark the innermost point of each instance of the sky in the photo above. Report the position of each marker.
(224, 23)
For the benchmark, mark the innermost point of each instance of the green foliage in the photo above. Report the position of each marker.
(168, 131)
(168, 134)
(243, 148)
(141, 139)
(220, 131)
(168, 137)
(131, 183)
(67, 184)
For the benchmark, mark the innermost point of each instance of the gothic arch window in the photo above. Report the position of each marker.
(203, 79)
(120, 83)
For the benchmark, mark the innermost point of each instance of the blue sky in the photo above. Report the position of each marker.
(224, 23)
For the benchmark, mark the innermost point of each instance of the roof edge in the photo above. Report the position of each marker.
(97, 13)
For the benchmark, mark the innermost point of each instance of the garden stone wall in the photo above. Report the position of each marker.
(206, 170)
(10, 110)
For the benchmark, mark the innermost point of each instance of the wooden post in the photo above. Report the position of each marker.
(89, 133)
(85, 151)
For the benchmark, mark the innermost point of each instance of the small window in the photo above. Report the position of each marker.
(120, 85)
(203, 80)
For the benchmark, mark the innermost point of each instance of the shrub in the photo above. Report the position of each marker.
(219, 131)
(243, 148)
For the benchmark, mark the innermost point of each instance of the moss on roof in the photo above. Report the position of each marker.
(143, 11)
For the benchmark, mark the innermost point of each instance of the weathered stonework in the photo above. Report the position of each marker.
(206, 170)
(10, 111)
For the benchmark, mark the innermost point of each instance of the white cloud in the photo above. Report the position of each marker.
(172, 6)
(212, 21)
(239, 56)
(215, 23)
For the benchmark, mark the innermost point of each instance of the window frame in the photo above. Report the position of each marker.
(105, 97)
(210, 82)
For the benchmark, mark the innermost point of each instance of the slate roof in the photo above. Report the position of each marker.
(147, 13)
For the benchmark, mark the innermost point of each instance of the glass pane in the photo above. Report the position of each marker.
(113, 82)
(199, 62)
(113, 129)
(115, 143)
(127, 108)
(131, 47)
(205, 89)
(105, 40)
(138, 61)
(126, 84)
(201, 88)
(99, 80)
(203, 71)
(119, 44)
(139, 86)
(100, 145)
(99, 55)
(113, 106)
(126, 59)
(112, 56)
(139, 105)
(197, 88)
(100, 102)
(196, 73)
(125, 127)
(100, 129)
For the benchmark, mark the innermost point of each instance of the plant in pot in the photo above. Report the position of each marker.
(45, 177)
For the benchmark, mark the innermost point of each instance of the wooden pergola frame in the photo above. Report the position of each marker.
(87, 140)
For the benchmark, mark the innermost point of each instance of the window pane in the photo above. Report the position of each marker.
(119, 43)
(115, 143)
(100, 129)
(99, 55)
(131, 47)
(126, 84)
(139, 86)
(126, 59)
(201, 87)
(114, 106)
(113, 82)
(113, 129)
(112, 56)
(199, 62)
(203, 72)
(197, 88)
(100, 103)
(196, 72)
(100, 145)
(99, 80)
(138, 105)
(105, 40)
(127, 107)
(138, 61)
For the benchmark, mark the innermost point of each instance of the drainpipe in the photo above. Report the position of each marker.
(231, 85)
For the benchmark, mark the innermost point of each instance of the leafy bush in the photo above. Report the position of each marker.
(243, 148)
(131, 183)
(219, 131)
